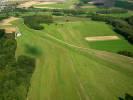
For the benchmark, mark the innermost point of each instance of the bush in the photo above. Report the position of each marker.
(3, 17)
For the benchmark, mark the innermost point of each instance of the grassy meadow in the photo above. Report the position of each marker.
(70, 68)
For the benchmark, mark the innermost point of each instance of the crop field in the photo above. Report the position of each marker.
(70, 68)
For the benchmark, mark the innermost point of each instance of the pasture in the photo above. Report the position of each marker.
(70, 68)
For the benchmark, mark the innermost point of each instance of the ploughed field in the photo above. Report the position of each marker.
(70, 68)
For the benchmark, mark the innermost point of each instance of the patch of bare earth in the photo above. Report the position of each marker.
(102, 38)
(31, 3)
(8, 21)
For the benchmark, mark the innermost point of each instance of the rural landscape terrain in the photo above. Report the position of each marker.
(66, 50)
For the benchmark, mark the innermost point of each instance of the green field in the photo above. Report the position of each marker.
(68, 69)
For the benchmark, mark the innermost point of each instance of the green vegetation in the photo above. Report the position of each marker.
(68, 69)
(124, 4)
(127, 97)
(14, 74)
(112, 11)
(126, 53)
(2, 32)
(35, 21)
(121, 26)
(69, 4)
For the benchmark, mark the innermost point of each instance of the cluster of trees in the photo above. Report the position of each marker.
(112, 11)
(14, 74)
(121, 26)
(35, 22)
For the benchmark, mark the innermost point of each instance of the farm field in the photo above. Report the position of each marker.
(70, 68)
(66, 50)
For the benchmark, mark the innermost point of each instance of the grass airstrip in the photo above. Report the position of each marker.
(70, 68)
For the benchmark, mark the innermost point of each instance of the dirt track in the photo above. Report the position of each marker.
(101, 38)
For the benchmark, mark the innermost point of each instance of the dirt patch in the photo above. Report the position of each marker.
(31, 3)
(102, 38)
(10, 30)
(8, 20)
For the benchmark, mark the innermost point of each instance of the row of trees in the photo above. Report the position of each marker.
(14, 74)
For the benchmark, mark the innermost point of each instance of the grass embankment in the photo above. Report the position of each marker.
(66, 70)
